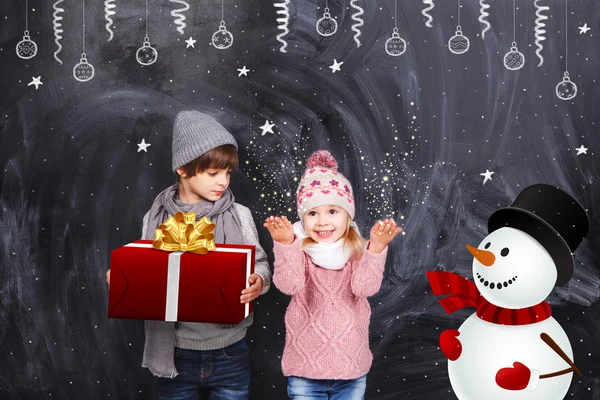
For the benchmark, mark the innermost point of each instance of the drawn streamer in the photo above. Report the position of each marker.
(539, 28)
(359, 21)
(426, 11)
(483, 17)
(109, 5)
(178, 14)
(57, 28)
(283, 22)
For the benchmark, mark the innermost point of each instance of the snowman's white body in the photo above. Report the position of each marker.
(488, 347)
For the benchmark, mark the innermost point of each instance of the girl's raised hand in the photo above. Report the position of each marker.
(382, 233)
(280, 229)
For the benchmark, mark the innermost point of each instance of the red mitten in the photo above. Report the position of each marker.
(450, 345)
(514, 378)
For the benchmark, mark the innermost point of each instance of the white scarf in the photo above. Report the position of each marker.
(326, 255)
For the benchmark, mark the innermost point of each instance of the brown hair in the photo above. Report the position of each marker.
(351, 238)
(222, 157)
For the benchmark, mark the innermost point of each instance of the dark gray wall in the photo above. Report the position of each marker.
(73, 186)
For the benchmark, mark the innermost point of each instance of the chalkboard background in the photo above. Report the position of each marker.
(413, 133)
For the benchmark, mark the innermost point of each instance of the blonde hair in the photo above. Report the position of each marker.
(351, 238)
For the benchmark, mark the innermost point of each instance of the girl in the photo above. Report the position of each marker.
(324, 264)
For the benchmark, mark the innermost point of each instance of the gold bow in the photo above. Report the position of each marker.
(183, 233)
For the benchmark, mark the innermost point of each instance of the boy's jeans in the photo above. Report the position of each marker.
(334, 389)
(225, 371)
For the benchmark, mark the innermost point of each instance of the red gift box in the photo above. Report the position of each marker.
(151, 284)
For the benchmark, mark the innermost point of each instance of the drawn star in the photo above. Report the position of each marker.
(584, 28)
(487, 176)
(143, 146)
(336, 66)
(243, 71)
(581, 150)
(36, 81)
(267, 128)
(190, 42)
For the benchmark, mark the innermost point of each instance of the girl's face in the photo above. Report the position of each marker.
(325, 223)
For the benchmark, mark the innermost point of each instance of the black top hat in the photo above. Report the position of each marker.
(554, 218)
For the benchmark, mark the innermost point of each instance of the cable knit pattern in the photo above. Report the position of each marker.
(327, 321)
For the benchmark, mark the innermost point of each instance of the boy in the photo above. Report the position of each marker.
(186, 356)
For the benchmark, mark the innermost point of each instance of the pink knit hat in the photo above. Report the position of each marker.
(322, 184)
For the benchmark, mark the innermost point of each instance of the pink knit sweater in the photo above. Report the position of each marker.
(327, 321)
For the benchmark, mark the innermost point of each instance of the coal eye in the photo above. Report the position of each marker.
(487, 245)
(504, 252)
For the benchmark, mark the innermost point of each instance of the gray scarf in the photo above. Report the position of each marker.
(160, 335)
(221, 212)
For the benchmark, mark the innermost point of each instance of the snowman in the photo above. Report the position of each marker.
(511, 348)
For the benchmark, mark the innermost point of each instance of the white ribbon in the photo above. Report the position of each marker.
(173, 286)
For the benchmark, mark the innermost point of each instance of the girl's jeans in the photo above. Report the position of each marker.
(333, 389)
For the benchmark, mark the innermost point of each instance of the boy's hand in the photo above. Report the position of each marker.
(256, 285)
(382, 233)
(108, 278)
(280, 229)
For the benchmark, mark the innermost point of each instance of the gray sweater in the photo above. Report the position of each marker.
(198, 336)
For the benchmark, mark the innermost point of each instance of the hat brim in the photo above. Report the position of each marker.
(541, 231)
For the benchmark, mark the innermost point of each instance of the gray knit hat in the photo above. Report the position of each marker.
(195, 134)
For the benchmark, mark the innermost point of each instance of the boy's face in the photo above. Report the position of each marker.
(209, 184)
(325, 223)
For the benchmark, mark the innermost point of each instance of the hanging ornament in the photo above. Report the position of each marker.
(395, 46)
(146, 55)
(26, 48)
(514, 59)
(566, 89)
(84, 71)
(459, 43)
(222, 39)
(326, 26)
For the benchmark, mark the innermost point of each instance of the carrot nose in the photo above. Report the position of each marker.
(485, 257)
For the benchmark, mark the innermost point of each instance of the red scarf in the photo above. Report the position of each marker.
(464, 293)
